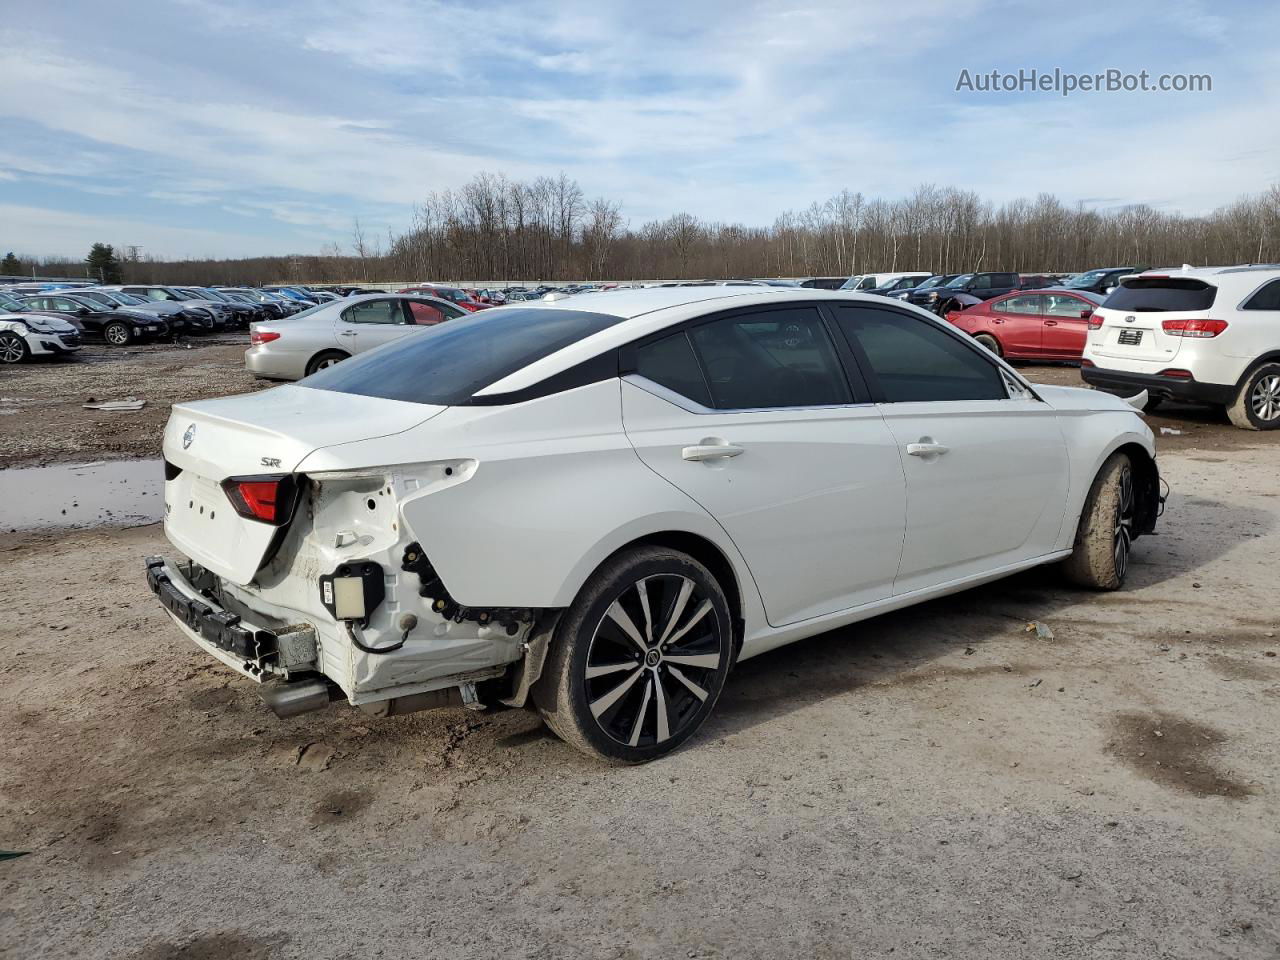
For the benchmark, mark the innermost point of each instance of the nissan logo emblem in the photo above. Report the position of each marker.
(188, 436)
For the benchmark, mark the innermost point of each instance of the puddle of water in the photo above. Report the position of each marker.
(82, 494)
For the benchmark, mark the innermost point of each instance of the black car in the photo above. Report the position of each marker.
(919, 295)
(897, 287)
(117, 326)
(969, 288)
(1102, 280)
(824, 283)
(181, 320)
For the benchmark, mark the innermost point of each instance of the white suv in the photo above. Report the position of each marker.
(1208, 335)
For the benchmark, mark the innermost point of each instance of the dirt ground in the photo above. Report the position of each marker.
(937, 782)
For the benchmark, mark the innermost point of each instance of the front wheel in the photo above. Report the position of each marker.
(1257, 407)
(639, 659)
(1105, 533)
(13, 349)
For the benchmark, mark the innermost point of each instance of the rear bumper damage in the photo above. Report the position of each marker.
(1125, 383)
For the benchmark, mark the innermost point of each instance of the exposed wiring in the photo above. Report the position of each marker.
(360, 645)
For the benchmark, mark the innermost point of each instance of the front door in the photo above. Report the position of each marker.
(1020, 324)
(985, 461)
(1066, 325)
(752, 416)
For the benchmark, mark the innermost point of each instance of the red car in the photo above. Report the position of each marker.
(454, 294)
(1031, 324)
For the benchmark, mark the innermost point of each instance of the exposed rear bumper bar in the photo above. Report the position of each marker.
(1126, 384)
(250, 649)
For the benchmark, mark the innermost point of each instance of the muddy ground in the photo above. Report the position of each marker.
(937, 782)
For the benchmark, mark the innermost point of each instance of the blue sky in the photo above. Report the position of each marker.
(227, 128)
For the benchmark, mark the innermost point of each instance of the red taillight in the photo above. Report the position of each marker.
(1095, 322)
(1087, 363)
(263, 336)
(1173, 373)
(1193, 328)
(266, 499)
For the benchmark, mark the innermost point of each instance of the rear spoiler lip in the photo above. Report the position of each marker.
(1138, 401)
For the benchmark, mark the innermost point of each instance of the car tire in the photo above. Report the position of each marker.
(626, 686)
(325, 359)
(1104, 536)
(13, 349)
(1257, 406)
(117, 334)
(990, 342)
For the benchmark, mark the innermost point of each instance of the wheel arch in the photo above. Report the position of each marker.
(707, 553)
(1271, 356)
(1146, 484)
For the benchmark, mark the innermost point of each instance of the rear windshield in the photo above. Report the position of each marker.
(1160, 294)
(446, 364)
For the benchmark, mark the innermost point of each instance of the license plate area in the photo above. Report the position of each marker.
(1129, 338)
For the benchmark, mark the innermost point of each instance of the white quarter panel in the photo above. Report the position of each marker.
(556, 489)
(815, 502)
(996, 496)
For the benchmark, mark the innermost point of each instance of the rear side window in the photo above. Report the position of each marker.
(916, 361)
(448, 363)
(1160, 294)
(1268, 298)
(671, 363)
(773, 358)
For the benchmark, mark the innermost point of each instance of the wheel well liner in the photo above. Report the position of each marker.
(1146, 485)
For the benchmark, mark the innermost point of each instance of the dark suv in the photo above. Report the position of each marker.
(968, 289)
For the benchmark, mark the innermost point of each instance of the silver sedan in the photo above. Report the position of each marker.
(298, 346)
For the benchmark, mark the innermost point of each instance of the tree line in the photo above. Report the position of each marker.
(496, 229)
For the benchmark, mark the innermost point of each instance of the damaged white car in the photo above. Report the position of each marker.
(597, 506)
(27, 335)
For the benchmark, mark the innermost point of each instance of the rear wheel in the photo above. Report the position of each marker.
(13, 349)
(639, 660)
(322, 361)
(1105, 534)
(990, 342)
(1257, 406)
(117, 334)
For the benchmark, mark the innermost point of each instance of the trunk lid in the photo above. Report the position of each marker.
(266, 433)
(1134, 316)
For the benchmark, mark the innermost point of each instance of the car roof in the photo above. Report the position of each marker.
(653, 309)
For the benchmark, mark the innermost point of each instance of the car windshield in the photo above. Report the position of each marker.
(447, 363)
(8, 303)
(128, 299)
(1159, 294)
(1086, 279)
(931, 282)
(961, 280)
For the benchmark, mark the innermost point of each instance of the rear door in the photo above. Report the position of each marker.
(371, 323)
(985, 461)
(752, 416)
(1066, 325)
(1019, 322)
(427, 313)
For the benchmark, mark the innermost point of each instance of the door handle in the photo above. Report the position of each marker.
(996, 320)
(926, 448)
(1051, 323)
(711, 449)
(347, 333)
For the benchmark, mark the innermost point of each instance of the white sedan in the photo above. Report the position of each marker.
(27, 335)
(596, 506)
(295, 347)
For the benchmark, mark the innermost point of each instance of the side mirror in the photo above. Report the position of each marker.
(84, 311)
(1109, 290)
(1085, 314)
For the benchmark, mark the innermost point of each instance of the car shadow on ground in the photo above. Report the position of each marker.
(887, 649)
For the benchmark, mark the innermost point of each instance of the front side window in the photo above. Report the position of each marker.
(373, 311)
(774, 358)
(1062, 305)
(914, 360)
